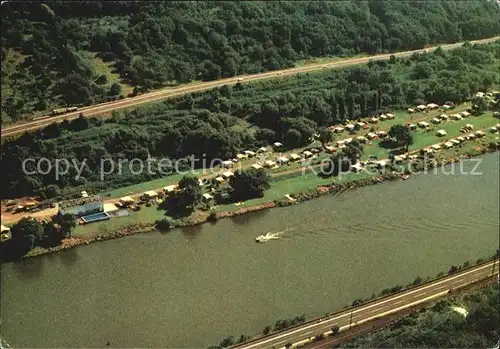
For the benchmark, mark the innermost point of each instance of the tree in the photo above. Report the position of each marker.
(101, 80)
(401, 135)
(115, 89)
(325, 136)
(164, 224)
(67, 223)
(337, 163)
(52, 191)
(189, 193)
(29, 230)
(292, 138)
(353, 151)
(479, 105)
(249, 184)
(227, 342)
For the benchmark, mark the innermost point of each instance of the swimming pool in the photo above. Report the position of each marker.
(96, 217)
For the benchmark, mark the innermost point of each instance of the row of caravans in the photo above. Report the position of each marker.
(64, 110)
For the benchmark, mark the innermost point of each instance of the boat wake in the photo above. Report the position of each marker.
(270, 235)
(4, 344)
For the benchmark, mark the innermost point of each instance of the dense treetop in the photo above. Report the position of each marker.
(223, 121)
(78, 53)
(441, 326)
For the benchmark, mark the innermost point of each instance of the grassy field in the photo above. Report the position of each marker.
(105, 68)
(145, 215)
(304, 182)
(422, 139)
(142, 187)
(279, 188)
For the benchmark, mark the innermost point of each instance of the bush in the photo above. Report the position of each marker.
(164, 224)
(212, 217)
(101, 80)
(319, 337)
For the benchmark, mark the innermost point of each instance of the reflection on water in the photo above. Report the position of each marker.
(192, 287)
(190, 233)
(69, 257)
(29, 268)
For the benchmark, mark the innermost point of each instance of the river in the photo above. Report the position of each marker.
(192, 287)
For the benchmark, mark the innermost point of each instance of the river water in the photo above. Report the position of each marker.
(190, 288)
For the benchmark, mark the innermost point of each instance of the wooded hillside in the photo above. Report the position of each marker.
(220, 122)
(78, 53)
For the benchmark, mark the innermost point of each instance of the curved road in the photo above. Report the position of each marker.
(108, 107)
(385, 306)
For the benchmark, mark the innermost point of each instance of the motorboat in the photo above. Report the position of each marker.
(266, 237)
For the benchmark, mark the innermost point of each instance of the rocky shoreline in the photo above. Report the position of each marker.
(317, 192)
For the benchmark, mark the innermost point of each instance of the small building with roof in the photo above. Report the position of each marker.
(269, 163)
(150, 194)
(282, 160)
(207, 197)
(170, 188)
(307, 154)
(249, 153)
(227, 164)
(338, 130)
(227, 174)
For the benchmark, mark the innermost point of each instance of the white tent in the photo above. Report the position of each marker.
(151, 194)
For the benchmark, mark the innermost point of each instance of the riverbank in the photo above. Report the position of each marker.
(202, 217)
(402, 229)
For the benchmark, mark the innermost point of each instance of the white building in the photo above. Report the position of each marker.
(282, 160)
(269, 163)
(170, 188)
(227, 174)
(227, 164)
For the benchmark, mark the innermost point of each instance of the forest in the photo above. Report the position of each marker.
(75, 53)
(220, 122)
(441, 327)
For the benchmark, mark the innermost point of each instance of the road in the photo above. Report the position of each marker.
(376, 309)
(108, 107)
(383, 322)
